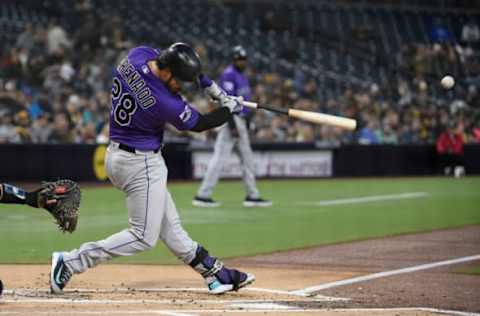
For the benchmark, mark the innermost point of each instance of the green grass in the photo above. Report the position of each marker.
(475, 270)
(29, 236)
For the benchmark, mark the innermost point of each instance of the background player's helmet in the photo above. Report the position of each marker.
(238, 52)
(182, 60)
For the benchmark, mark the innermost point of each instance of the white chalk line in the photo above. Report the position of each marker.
(108, 312)
(373, 276)
(32, 292)
(317, 297)
(73, 301)
(194, 312)
(107, 291)
(373, 198)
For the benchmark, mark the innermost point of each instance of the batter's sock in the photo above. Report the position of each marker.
(13, 195)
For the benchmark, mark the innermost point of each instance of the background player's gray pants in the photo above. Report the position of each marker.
(152, 213)
(223, 148)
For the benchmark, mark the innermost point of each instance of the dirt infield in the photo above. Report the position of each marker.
(287, 283)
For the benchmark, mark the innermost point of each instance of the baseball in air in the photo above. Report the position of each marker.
(447, 82)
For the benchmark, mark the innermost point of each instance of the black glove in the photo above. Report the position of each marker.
(61, 199)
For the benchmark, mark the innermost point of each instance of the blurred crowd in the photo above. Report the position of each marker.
(55, 88)
(412, 116)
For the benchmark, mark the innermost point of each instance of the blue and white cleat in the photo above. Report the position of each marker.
(238, 280)
(60, 273)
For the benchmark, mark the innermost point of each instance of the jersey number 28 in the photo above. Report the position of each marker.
(126, 106)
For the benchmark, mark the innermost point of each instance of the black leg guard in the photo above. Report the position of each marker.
(201, 255)
(216, 274)
(205, 264)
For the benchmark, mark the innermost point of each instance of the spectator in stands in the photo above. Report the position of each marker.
(26, 39)
(87, 37)
(265, 134)
(41, 129)
(329, 137)
(8, 132)
(304, 132)
(279, 128)
(450, 151)
(61, 133)
(473, 97)
(310, 90)
(22, 123)
(404, 93)
(389, 136)
(88, 133)
(57, 39)
(10, 66)
(37, 63)
(471, 33)
(367, 135)
(476, 133)
(10, 101)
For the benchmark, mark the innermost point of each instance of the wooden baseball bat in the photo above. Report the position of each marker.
(309, 116)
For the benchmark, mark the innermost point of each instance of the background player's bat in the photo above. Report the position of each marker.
(314, 117)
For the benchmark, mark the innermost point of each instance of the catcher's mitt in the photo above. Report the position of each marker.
(62, 199)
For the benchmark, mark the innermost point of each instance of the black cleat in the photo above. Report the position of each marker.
(204, 202)
(256, 202)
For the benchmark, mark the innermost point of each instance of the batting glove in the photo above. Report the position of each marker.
(211, 88)
(235, 104)
(215, 92)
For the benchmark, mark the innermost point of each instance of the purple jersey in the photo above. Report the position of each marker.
(142, 103)
(235, 83)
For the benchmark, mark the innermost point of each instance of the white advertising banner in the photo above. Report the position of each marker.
(302, 164)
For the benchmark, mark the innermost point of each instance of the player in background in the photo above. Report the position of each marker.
(145, 96)
(234, 134)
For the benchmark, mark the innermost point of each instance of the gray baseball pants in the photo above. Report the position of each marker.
(224, 144)
(142, 176)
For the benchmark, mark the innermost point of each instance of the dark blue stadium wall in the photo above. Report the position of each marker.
(77, 162)
(85, 162)
(384, 160)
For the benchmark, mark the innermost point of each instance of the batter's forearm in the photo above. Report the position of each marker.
(212, 119)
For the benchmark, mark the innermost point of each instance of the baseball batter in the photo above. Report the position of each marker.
(234, 134)
(145, 96)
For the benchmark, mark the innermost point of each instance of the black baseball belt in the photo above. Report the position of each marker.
(133, 150)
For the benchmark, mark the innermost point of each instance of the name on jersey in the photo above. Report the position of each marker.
(137, 85)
